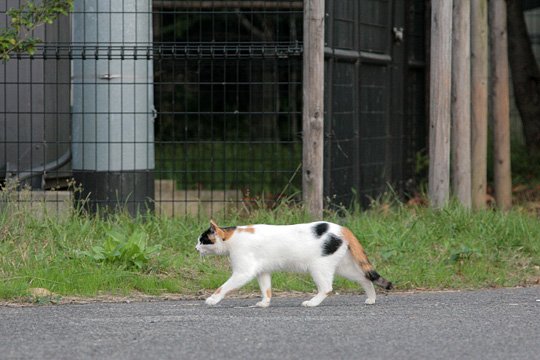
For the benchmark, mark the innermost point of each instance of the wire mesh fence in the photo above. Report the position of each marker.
(532, 20)
(194, 107)
(375, 97)
(228, 90)
(188, 107)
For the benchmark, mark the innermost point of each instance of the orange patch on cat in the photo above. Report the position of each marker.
(227, 233)
(249, 229)
(268, 293)
(356, 249)
(218, 291)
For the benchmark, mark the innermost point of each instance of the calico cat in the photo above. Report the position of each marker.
(320, 248)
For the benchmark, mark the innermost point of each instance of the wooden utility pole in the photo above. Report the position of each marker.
(501, 107)
(439, 111)
(313, 111)
(479, 102)
(461, 102)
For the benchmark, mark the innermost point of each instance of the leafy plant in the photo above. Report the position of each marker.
(45, 300)
(17, 37)
(127, 251)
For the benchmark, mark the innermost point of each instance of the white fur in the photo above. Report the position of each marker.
(284, 248)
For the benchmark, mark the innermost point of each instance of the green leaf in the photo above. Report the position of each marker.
(27, 17)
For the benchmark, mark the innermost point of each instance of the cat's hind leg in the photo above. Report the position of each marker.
(236, 281)
(265, 283)
(350, 270)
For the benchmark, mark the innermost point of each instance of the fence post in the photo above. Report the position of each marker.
(461, 103)
(313, 109)
(479, 102)
(501, 104)
(439, 110)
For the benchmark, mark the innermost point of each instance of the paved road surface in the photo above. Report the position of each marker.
(491, 324)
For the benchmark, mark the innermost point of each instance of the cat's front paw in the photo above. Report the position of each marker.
(212, 300)
(369, 301)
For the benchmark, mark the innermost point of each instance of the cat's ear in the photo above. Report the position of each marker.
(213, 225)
(217, 230)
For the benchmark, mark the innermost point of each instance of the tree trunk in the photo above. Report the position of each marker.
(461, 103)
(525, 76)
(479, 102)
(501, 104)
(440, 94)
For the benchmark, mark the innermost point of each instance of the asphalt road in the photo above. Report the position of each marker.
(490, 324)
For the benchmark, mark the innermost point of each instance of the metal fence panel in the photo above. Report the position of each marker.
(224, 78)
(202, 96)
(228, 94)
(375, 98)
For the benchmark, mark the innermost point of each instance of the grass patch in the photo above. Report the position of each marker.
(413, 247)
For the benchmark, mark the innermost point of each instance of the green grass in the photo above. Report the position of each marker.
(413, 247)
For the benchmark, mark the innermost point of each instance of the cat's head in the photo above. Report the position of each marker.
(212, 241)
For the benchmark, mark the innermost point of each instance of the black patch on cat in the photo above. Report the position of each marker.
(379, 280)
(372, 275)
(320, 229)
(331, 245)
(205, 240)
(204, 237)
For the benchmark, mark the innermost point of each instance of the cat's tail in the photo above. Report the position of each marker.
(359, 255)
(379, 280)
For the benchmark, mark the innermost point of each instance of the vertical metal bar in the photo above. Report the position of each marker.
(328, 97)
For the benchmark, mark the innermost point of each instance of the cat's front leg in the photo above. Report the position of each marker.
(265, 283)
(215, 298)
(236, 281)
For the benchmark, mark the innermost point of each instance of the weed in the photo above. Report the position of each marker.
(462, 254)
(127, 251)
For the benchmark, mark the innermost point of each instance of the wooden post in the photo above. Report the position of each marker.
(461, 103)
(439, 111)
(501, 107)
(313, 111)
(479, 102)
